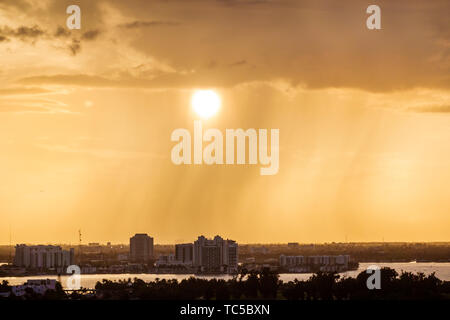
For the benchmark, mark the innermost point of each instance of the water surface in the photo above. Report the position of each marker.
(442, 271)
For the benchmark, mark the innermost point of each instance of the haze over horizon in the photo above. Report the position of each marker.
(104, 243)
(86, 118)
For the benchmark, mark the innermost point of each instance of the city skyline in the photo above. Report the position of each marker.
(180, 241)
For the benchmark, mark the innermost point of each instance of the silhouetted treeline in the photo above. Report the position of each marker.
(406, 286)
(264, 285)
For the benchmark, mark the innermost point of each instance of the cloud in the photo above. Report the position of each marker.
(101, 152)
(32, 109)
(30, 100)
(22, 100)
(238, 63)
(204, 78)
(29, 32)
(90, 35)
(432, 109)
(244, 2)
(22, 109)
(23, 33)
(145, 24)
(34, 33)
(23, 91)
(62, 32)
(21, 4)
(76, 80)
(316, 44)
(75, 47)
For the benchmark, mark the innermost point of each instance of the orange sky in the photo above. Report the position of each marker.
(86, 118)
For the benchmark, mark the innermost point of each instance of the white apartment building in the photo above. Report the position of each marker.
(43, 257)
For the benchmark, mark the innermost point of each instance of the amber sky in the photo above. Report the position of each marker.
(86, 118)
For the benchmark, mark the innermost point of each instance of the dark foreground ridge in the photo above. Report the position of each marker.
(264, 285)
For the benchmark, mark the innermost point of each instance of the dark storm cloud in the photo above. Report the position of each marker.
(313, 43)
(23, 32)
(75, 47)
(29, 32)
(62, 32)
(317, 44)
(90, 35)
(34, 33)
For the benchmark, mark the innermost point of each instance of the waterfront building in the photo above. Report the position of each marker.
(184, 253)
(215, 255)
(141, 248)
(39, 286)
(43, 257)
(315, 263)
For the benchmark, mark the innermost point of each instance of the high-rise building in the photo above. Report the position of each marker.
(184, 253)
(43, 257)
(215, 255)
(141, 248)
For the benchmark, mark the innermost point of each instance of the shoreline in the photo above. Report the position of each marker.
(208, 274)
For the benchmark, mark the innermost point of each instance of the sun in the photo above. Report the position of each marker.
(206, 103)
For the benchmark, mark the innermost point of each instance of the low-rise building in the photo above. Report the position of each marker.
(39, 286)
(167, 260)
(314, 263)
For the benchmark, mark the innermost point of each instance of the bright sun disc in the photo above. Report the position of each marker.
(206, 103)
